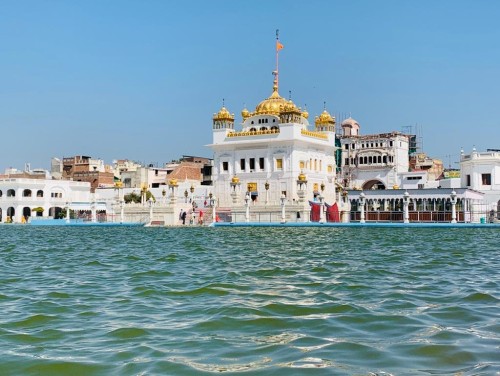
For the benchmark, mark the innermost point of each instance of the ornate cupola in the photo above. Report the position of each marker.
(223, 119)
(350, 127)
(245, 114)
(325, 122)
(290, 113)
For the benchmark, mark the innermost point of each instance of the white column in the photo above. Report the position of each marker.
(93, 210)
(453, 207)
(150, 202)
(362, 201)
(406, 213)
(122, 214)
(213, 200)
(247, 210)
(321, 209)
(283, 200)
(67, 212)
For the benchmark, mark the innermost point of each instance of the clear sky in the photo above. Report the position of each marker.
(141, 80)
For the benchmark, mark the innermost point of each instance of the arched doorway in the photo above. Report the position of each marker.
(55, 212)
(11, 212)
(26, 212)
(373, 185)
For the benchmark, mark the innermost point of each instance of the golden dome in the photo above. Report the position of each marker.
(272, 105)
(302, 177)
(324, 119)
(173, 182)
(223, 115)
(235, 180)
(245, 114)
(305, 114)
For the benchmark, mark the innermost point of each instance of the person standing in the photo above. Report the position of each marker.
(183, 217)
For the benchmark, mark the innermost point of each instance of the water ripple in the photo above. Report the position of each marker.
(274, 301)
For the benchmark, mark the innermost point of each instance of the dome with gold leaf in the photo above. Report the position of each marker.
(272, 105)
(245, 114)
(324, 118)
(223, 115)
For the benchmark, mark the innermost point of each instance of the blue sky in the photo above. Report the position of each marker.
(142, 79)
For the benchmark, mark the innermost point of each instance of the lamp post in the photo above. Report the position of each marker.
(247, 210)
(144, 189)
(235, 188)
(93, 210)
(406, 202)
(322, 202)
(122, 213)
(211, 202)
(283, 201)
(266, 187)
(186, 194)
(150, 203)
(191, 189)
(321, 209)
(362, 200)
(453, 206)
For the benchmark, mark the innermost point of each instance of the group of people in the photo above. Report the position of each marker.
(192, 220)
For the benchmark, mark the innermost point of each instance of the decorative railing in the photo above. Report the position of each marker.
(253, 133)
(319, 135)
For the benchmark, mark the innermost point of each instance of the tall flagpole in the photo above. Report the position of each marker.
(277, 54)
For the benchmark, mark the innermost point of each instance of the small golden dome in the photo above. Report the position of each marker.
(324, 119)
(245, 114)
(305, 114)
(173, 182)
(395, 186)
(235, 180)
(302, 177)
(223, 115)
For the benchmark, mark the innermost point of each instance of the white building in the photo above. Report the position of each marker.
(25, 197)
(374, 161)
(481, 172)
(273, 147)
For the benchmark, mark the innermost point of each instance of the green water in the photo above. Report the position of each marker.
(257, 301)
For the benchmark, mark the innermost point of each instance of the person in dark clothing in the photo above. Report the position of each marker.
(183, 216)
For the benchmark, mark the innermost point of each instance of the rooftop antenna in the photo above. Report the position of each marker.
(289, 95)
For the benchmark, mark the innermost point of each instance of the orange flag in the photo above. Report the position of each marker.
(279, 46)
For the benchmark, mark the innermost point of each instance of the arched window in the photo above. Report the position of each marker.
(252, 129)
(263, 128)
(274, 128)
(39, 193)
(27, 193)
(1, 193)
(11, 193)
